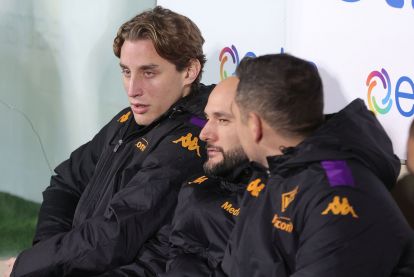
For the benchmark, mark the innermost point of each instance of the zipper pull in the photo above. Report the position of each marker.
(175, 111)
(117, 145)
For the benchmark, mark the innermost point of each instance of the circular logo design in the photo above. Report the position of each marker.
(223, 58)
(371, 83)
(231, 52)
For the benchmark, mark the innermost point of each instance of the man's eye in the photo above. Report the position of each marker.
(223, 121)
(149, 74)
(125, 72)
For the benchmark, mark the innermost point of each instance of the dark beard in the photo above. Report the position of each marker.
(231, 160)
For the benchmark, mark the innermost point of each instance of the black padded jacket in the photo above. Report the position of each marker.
(115, 192)
(326, 209)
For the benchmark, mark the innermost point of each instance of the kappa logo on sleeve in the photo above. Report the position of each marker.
(340, 207)
(189, 142)
(288, 198)
(199, 180)
(255, 187)
(124, 117)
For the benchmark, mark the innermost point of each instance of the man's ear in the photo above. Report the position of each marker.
(256, 126)
(192, 71)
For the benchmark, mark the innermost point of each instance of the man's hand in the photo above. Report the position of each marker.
(8, 266)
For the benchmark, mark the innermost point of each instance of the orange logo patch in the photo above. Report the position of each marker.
(227, 206)
(199, 180)
(142, 144)
(255, 187)
(338, 207)
(189, 142)
(288, 197)
(282, 223)
(124, 117)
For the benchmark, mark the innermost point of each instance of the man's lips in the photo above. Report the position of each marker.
(139, 108)
(212, 151)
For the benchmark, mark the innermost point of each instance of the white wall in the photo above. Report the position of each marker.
(59, 83)
(357, 46)
(349, 40)
(232, 29)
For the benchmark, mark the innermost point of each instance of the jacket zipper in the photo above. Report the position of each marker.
(117, 145)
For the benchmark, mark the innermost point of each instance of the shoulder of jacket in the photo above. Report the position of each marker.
(123, 116)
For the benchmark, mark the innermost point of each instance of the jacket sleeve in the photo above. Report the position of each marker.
(151, 259)
(346, 233)
(135, 213)
(61, 197)
(158, 251)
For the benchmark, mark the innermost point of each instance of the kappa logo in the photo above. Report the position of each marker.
(282, 223)
(338, 207)
(199, 180)
(255, 187)
(227, 206)
(124, 117)
(189, 142)
(142, 144)
(288, 197)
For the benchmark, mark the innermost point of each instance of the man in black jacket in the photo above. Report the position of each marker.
(325, 209)
(208, 205)
(117, 190)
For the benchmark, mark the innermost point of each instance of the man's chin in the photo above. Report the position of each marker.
(212, 163)
(143, 120)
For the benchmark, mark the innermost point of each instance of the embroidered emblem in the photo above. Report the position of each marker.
(255, 187)
(282, 223)
(199, 180)
(338, 207)
(124, 117)
(288, 197)
(142, 144)
(189, 143)
(227, 206)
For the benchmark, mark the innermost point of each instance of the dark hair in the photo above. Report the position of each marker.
(286, 91)
(175, 37)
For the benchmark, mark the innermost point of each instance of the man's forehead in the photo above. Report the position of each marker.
(225, 89)
(221, 97)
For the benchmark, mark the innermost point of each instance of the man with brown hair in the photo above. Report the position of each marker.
(117, 190)
(208, 205)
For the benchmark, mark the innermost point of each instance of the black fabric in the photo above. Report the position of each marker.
(403, 193)
(124, 184)
(326, 209)
(194, 243)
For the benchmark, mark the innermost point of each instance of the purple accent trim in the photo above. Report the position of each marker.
(338, 173)
(198, 121)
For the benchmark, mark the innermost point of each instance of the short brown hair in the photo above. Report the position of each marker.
(175, 37)
(286, 91)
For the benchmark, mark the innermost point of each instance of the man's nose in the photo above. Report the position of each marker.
(207, 133)
(134, 87)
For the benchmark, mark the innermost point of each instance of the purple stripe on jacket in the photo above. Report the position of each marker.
(197, 121)
(338, 173)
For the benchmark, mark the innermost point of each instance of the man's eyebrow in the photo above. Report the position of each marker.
(148, 66)
(143, 67)
(222, 114)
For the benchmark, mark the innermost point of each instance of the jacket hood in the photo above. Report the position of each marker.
(352, 133)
